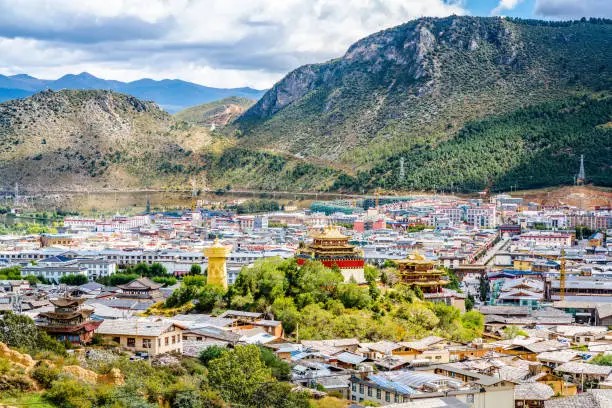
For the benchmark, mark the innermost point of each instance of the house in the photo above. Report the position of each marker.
(154, 336)
(497, 392)
(589, 399)
(553, 359)
(532, 395)
(584, 375)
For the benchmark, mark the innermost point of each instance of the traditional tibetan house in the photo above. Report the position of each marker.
(331, 247)
(68, 321)
(142, 289)
(419, 271)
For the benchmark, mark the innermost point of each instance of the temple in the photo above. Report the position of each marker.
(331, 247)
(419, 271)
(68, 321)
(142, 289)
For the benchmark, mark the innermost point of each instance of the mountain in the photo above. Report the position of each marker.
(172, 95)
(434, 91)
(219, 113)
(99, 139)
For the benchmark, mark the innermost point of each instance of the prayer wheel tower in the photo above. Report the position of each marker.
(217, 271)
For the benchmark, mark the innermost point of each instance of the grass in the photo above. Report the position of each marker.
(27, 399)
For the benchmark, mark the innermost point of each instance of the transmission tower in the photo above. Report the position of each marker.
(581, 177)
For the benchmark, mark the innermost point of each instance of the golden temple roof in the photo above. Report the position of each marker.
(329, 232)
(415, 258)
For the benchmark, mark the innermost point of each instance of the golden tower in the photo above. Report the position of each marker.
(217, 271)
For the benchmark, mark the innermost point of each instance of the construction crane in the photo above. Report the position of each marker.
(562, 271)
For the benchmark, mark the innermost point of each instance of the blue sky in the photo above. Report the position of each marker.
(223, 43)
(523, 9)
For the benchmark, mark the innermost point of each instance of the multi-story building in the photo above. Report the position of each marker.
(481, 216)
(555, 239)
(55, 268)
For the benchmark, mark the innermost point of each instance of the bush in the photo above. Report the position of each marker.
(67, 393)
(44, 374)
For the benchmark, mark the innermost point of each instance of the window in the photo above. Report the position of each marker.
(117, 340)
(387, 396)
(158, 342)
(469, 398)
(354, 387)
(131, 342)
(396, 398)
(146, 343)
(361, 388)
(173, 339)
(167, 341)
(377, 394)
(369, 391)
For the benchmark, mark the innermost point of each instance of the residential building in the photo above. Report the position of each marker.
(151, 335)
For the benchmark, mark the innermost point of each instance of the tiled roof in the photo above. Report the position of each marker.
(533, 391)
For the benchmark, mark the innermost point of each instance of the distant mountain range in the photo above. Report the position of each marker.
(172, 95)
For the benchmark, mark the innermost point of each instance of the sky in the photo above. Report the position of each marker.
(221, 43)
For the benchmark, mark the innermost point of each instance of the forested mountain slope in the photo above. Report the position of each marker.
(409, 90)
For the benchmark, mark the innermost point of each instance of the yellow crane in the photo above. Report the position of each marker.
(562, 271)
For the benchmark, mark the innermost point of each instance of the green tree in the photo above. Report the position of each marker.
(209, 297)
(195, 270)
(280, 369)
(74, 280)
(20, 332)
(238, 375)
(469, 302)
(209, 354)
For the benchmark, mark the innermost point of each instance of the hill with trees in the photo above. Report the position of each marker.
(417, 90)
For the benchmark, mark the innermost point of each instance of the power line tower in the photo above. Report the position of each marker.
(402, 172)
(581, 177)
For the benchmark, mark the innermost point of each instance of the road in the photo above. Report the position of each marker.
(483, 260)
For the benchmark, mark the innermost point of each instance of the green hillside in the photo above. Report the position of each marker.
(411, 90)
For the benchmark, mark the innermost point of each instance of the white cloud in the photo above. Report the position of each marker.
(505, 5)
(569, 9)
(217, 43)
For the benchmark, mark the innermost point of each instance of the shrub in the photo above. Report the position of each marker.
(44, 374)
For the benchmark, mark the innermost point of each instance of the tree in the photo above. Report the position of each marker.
(370, 273)
(209, 297)
(20, 331)
(353, 296)
(511, 332)
(604, 360)
(74, 280)
(280, 369)
(209, 354)
(195, 269)
(483, 287)
(469, 302)
(238, 375)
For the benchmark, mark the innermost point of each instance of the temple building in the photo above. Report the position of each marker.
(142, 289)
(419, 271)
(331, 247)
(69, 321)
